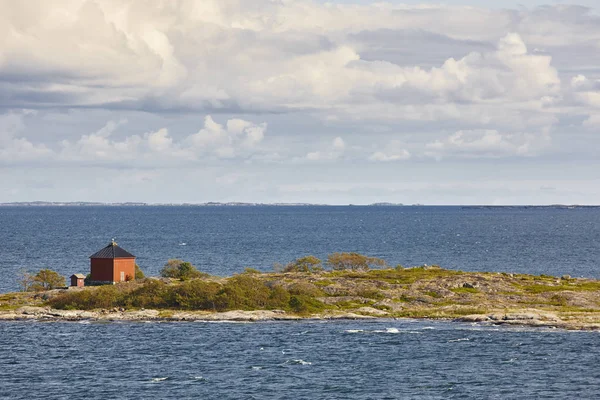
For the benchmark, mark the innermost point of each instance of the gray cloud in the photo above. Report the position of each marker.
(319, 89)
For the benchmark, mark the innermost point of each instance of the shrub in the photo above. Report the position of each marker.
(45, 279)
(304, 304)
(180, 269)
(305, 289)
(279, 297)
(243, 292)
(103, 297)
(195, 295)
(304, 264)
(139, 274)
(153, 293)
(353, 261)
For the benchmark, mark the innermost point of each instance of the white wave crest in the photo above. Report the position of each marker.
(300, 362)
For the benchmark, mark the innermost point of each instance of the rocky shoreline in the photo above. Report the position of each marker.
(530, 318)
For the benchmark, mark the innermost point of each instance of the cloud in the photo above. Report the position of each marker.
(223, 86)
(386, 157)
(226, 55)
(485, 143)
(238, 138)
(15, 149)
(332, 151)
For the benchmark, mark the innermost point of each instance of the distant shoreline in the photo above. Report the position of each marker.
(244, 204)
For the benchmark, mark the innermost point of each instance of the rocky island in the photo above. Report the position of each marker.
(304, 290)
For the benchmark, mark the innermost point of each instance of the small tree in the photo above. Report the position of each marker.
(45, 279)
(139, 274)
(179, 269)
(25, 281)
(353, 261)
(304, 264)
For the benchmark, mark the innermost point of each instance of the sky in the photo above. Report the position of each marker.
(300, 101)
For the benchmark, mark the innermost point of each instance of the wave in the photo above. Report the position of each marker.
(298, 362)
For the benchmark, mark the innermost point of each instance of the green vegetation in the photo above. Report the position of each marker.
(304, 264)
(180, 269)
(139, 274)
(353, 261)
(45, 279)
(464, 290)
(352, 284)
(241, 292)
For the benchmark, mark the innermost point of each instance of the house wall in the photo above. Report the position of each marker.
(101, 269)
(77, 282)
(127, 265)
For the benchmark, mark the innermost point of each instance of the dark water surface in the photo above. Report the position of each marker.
(298, 360)
(224, 240)
(295, 360)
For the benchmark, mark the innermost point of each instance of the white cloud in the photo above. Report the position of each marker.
(238, 138)
(386, 157)
(486, 143)
(13, 147)
(332, 151)
(368, 83)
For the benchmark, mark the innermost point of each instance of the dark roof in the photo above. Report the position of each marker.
(80, 276)
(112, 251)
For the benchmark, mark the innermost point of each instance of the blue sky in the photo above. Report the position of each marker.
(458, 102)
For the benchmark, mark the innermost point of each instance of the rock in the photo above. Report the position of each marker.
(566, 277)
(348, 315)
(372, 311)
(473, 318)
(469, 285)
(28, 310)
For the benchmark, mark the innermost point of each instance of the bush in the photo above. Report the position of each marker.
(305, 289)
(195, 295)
(180, 269)
(45, 279)
(152, 294)
(353, 261)
(304, 304)
(139, 274)
(103, 297)
(243, 292)
(304, 264)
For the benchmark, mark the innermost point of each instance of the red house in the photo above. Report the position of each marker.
(77, 280)
(112, 264)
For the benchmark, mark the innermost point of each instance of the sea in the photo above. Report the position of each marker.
(382, 359)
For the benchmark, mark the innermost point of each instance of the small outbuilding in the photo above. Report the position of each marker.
(112, 264)
(77, 280)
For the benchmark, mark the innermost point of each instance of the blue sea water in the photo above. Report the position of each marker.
(295, 360)
(224, 240)
(386, 359)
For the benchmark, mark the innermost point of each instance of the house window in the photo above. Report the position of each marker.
(122, 276)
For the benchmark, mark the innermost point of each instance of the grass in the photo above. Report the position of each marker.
(562, 286)
(396, 276)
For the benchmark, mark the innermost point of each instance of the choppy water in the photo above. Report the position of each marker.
(298, 360)
(295, 360)
(224, 240)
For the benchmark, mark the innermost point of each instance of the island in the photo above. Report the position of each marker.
(350, 288)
